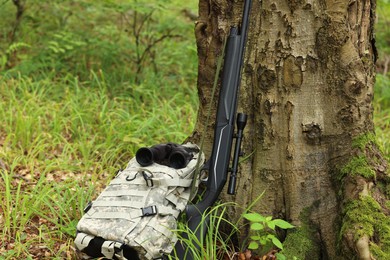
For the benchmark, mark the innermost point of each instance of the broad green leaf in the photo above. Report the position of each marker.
(282, 223)
(254, 217)
(257, 226)
(255, 237)
(280, 256)
(263, 240)
(253, 245)
(276, 242)
(271, 225)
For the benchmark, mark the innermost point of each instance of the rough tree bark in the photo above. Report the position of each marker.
(307, 86)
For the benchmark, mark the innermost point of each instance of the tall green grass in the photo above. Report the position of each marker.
(215, 244)
(74, 108)
(60, 138)
(39, 215)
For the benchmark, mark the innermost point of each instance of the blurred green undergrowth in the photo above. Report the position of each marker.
(382, 86)
(83, 84)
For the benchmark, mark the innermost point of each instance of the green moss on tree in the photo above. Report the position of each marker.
(364, 216)
(300, 243)
(363, 141)
(384, 187)
(358, 166)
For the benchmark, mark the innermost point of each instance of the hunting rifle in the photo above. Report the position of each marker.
(219, 162)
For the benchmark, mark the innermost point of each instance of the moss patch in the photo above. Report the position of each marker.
(384, 188)
(363, 141)
(356, 166)
(299, 243)
(364, 216)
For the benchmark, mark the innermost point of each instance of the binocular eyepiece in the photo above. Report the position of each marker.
(170, 154)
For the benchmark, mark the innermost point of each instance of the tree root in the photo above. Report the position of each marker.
(363, 248)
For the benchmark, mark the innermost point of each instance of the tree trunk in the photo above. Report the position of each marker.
(307, 86)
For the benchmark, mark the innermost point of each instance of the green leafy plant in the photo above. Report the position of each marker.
(264, 231)
(11, 50)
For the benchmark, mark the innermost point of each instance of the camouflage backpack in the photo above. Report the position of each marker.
(136, 214)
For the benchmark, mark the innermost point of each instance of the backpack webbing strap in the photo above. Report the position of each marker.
(178, 199)
(142, 212)
(112, 215)
(118, 203)
(111, 249)
(82, 240)
(119, 193)
(174, 182)
(99, 247)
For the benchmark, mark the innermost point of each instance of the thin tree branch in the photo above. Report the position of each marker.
(19, 13)
(155, 42)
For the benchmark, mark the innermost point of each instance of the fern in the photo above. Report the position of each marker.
(13, 48)
(16, 46)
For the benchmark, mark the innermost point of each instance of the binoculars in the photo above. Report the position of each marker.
(170, 154)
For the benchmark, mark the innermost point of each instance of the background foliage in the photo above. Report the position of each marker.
(382, 87)
(83, 84)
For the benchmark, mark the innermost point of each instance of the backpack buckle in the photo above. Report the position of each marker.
(149, 211)
(148, 175)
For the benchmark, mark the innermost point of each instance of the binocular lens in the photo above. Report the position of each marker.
(144, 156)
(177, 160)
(172, 155)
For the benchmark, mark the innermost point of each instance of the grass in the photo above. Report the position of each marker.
(59, 141)
(40, 215)
(73, 112)
(223, 239)
(215, 244)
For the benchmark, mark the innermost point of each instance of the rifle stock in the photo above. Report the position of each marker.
(219, 162)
